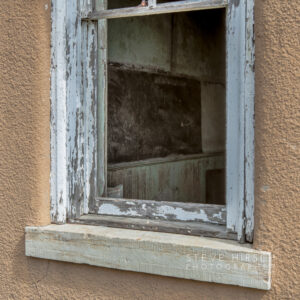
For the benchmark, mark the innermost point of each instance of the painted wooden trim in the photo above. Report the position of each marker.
(75, 109)
(86, 6)
(170, 211)
(170, 7)
(165, 254)
(235, 131)
(70, 132)
(81, 60)
(240, 119)
(249, 121)
(73, 106)
(102, 101)
(89, 113)
(152, 3)
(177, 227)
(58, 178)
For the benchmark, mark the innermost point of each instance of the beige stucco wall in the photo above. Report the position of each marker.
(25, 159)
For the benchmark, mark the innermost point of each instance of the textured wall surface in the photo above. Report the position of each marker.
(25, 160)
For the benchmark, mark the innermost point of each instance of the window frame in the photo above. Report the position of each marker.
(76, 106)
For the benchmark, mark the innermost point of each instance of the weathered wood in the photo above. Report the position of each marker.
(163, 160)
(115, 192)
(235, 141)
(73, 110)
(165, 254)
(86, 6)
(82, 107)
(249, 121)
(102, 101)
(152, 3)
(171, 211)
(169, 7)
(180, 178)
(177, 227)
(59, 183)
(68, 175)
(89, 113)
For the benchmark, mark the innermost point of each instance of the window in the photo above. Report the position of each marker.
(107, 171)
(94, 91)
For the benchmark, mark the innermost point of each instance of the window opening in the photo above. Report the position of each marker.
(166, 107)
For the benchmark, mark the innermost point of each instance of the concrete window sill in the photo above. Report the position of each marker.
(189, 257)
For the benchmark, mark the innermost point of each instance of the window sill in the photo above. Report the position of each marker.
(189, 257)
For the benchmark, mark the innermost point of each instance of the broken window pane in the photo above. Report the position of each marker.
(166, 106)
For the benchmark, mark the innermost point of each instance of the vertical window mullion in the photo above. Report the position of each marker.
(102, 101)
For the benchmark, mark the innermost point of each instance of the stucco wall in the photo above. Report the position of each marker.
(25, 157)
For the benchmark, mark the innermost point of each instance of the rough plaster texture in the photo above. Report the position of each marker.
(25, 161)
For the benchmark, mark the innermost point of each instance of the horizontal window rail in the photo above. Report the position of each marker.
(162, 210)
(154, 9)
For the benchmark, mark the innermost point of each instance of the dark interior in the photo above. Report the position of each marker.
(165, 72)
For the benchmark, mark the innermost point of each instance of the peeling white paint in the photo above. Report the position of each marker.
(110, 209)
(240, 118)
(218, 215)
(181, 214)
(169, 211)
(73, 111)
(64, 133)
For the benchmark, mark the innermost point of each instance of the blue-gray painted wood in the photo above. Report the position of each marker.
(68, 175)
(102, 102)
(73, 119)
(59, 182)
(162, 210)
(235, 140)
(240, 118)
(249, 121)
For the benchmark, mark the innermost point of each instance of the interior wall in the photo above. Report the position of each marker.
(152, 115)
(25, 166)
(191, 44)
(166, 97)
(163, 70)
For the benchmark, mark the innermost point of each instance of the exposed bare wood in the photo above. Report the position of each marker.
(235, 141)
(197, 258)
(73, 108)
(249, 121)
(73, 158)
(189, 228)
(89, 113)
(162, 160)
(59, 183)
(170, 7)
(81, 60)
(115, 192)
(102, 101)
(152, 3)
(171, 211)
(86, 6)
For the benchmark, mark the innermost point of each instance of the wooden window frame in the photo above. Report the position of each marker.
(78, 120)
